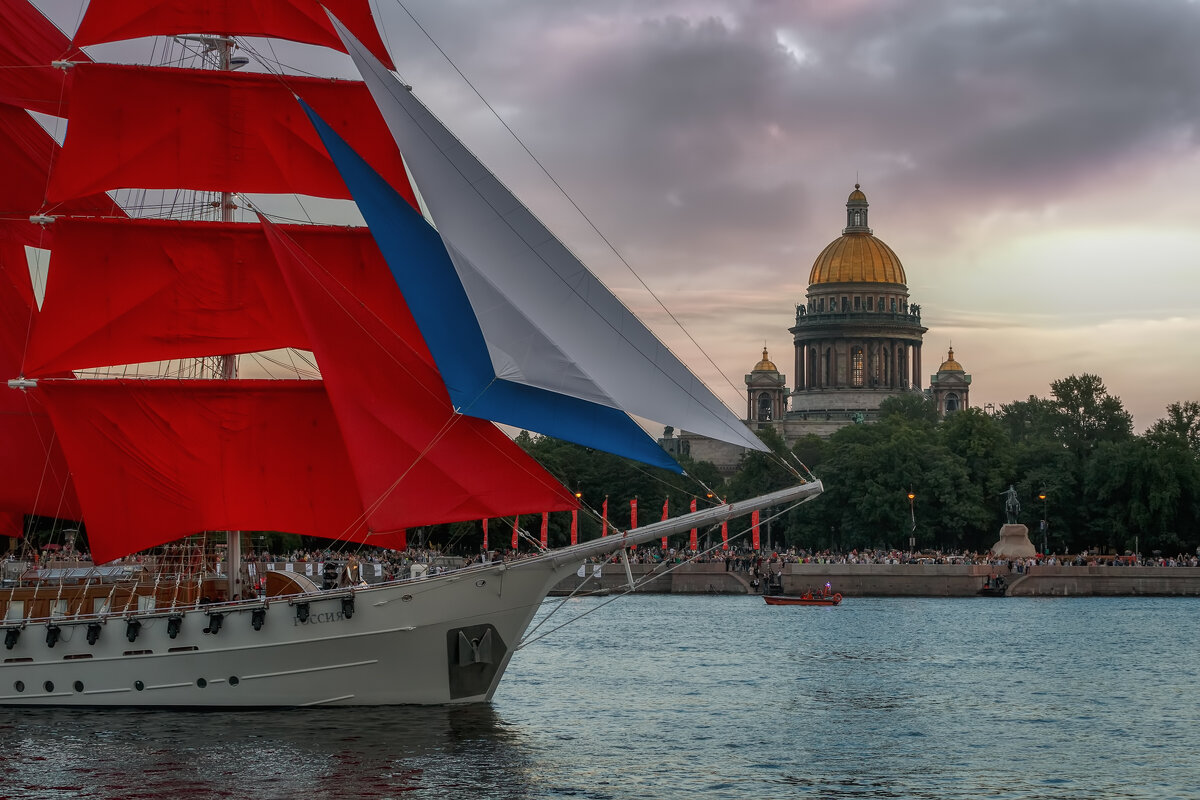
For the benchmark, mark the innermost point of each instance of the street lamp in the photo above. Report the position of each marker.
(1045, 523)
(912, 512)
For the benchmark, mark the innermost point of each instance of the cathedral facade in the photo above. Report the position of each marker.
(857, 341)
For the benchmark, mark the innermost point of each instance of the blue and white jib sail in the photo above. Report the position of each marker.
(522, 332)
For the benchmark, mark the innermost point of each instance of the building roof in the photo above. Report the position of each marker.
(950, 365)
(766, 365)
(857, 256)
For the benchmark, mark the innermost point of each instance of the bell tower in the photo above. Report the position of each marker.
(766, 392)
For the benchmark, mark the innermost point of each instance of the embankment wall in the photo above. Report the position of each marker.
(903, 580)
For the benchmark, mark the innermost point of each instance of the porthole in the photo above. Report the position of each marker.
(201, 682)
(406, 597)
(233, 680)
(19, 686)
(48, 686)
(79, 686)
(139, 685)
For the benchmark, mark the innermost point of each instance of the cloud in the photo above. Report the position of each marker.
(1029, 161)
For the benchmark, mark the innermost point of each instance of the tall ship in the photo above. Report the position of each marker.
(128, 410)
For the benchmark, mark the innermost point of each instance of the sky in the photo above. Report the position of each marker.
(1033, 164)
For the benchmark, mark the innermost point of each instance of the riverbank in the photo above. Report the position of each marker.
(900, 580)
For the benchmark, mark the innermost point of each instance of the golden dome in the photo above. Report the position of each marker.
(950, 365)
(857, 258)
(856, 196)
(766, 365)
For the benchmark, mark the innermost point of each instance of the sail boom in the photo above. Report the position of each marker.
(569, 557)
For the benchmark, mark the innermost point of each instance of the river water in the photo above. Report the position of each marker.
(709, 697)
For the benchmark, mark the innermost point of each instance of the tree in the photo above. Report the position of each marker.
(868, 474)
(1182, 422)
(1088, 414)
(1149, 491)
(912, 406)
(988, 454)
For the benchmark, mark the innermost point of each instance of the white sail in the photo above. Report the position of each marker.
(497, 244)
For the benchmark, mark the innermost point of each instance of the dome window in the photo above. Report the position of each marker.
(856, 366)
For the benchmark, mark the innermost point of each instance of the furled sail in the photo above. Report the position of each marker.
(535, 302)
(165, 128)
(295, 20)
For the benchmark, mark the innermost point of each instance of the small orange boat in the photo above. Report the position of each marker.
(821, 598)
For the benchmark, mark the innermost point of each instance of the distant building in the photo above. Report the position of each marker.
(950, 386)
(857, 342)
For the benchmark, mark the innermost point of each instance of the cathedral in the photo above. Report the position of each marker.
(857, 341)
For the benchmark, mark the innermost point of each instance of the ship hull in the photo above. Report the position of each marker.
(441, 639)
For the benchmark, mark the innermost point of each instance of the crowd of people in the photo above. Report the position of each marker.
(738, 558)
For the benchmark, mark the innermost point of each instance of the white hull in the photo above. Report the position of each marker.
(395, 648)
(434, 640)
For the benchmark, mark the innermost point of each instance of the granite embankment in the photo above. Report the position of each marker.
(899, 580)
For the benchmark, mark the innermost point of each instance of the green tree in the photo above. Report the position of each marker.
(1149, 491)
(1087, 414)
(1182, 422)
(911, 406)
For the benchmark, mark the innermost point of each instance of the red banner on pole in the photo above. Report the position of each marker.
(692, 537)
(725, 535)
(754, 530)
(666, 500)
(604, 518)
(515, 521)
(633, 518)
(574, 526)
(485, 542)
(545, 528)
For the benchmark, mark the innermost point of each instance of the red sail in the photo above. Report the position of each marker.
(417, 462)
(11, 524)
(158, 460)
(160, 128)
(131, 291)
(26, 151)
(14, 271)
(28, 43)
(33, 472)
(295, 20)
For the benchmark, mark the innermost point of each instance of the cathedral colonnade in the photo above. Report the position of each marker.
(891, 364)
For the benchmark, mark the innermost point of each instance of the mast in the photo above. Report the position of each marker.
(229, 363)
